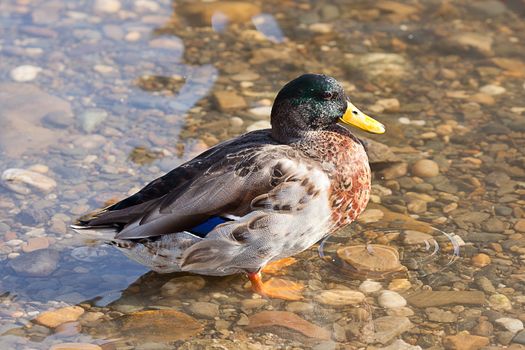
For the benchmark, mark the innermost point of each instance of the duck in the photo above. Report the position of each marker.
(253, 200)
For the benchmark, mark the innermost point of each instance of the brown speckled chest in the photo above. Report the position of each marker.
(344, 159)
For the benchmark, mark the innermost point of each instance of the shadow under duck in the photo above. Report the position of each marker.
(255, 199)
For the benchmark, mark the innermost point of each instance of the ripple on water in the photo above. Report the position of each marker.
(378, 253)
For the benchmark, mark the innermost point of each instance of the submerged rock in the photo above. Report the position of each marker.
(54, 318)
(289, 320)
(440, 298)
(339, 297)
(17, 179)
(372, 261)
(151, 325)
(39, 263)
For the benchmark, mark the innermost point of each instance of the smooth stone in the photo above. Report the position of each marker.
(229, 100)
(54, 318)
(18, 177)
(465, 341)
(261, 124)
(369, 287)
(299, 307)
(400, 344)
(520, 225)
(399, 284)
(370, 215)
(519, 338)
(390, 299)
(204, 309)
(92, 118)
(425, 299)
(378, 65)
(35, 243)
(388, 327)
(232, 11)
(480, 42)
(165, 326)
(493, 90)
(412, 237)
(511, 324)
(494, 225)
(181, 285)
(500, 302)
(254, 303)
(485, 284)
(261, 112)
(39, 263)
(288, 320)
(25, 73)
(425, 168)
(20, 121)
(437, 315)
(107, 6)
(339, 297)
(394, 171)
(75, 346)
(480, 260)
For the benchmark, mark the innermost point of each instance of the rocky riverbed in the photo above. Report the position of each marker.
(99, 97)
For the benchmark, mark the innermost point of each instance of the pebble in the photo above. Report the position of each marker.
(15, 178)
(500, 302)
(254, 303)
(54, 318)
(492, 90)
(400, 344)
(425, 168)
(300, 307)
(399, 284)
(389, 104)
(107, 6)
(390, 299)
(228, 100)
(339, 297)
(520, 225)
(417, 206)
(39, 263)
(25, 73)
(465, 341)
(440, 298)
(388, 327)
(321, 28)
(92, 118)
(369, 287)
(412, 237)
(181, 285)
(288, 320)
(437, 315)
(511, 324)
(236, 122)
(204, 309)
(480, 260)
(35, 243)
(370, 216)
(261, 112)
(261, 124)
(75, 346)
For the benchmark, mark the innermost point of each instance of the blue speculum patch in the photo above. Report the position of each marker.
(207, 226)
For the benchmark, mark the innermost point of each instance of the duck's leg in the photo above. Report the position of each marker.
(276, 287)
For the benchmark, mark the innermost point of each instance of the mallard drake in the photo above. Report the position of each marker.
(255, 199)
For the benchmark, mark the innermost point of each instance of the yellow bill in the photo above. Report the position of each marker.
(355, 117)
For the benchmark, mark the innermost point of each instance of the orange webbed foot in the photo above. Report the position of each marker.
(276, 287)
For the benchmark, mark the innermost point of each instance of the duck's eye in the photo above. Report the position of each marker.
(327, 95)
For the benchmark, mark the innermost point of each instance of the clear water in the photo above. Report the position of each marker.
(125, 90)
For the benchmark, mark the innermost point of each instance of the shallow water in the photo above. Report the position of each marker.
(97, 98)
